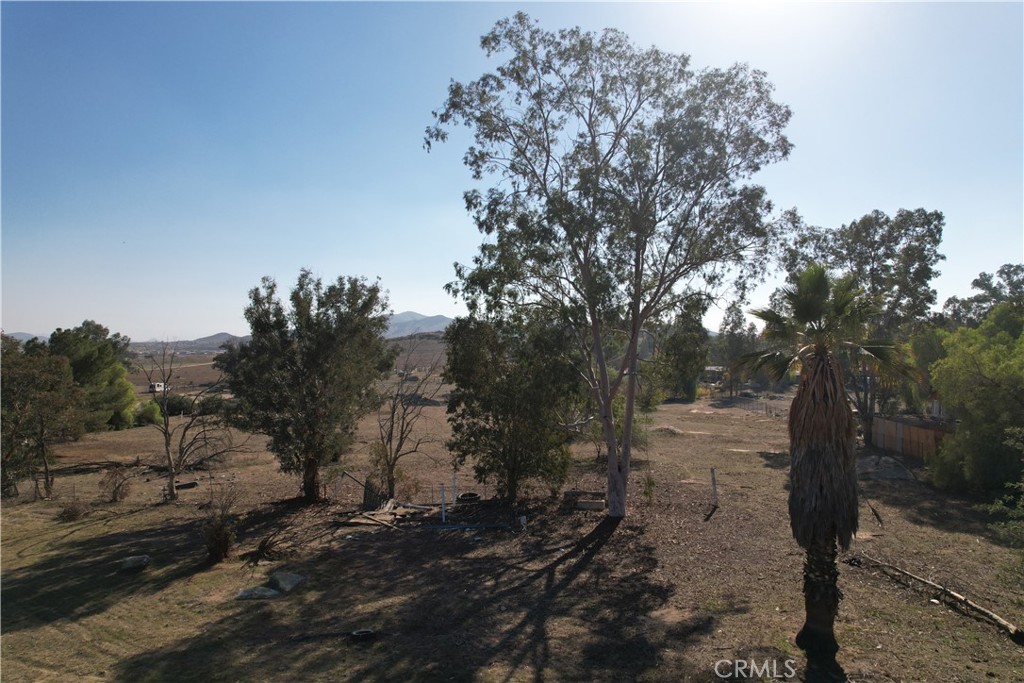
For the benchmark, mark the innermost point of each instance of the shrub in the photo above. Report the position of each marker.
(73, 510)
(218, 528)
(975, 459)
(122, 419)
(178, 404)
(511, 385)
(1010, 508)
(268, 550)
(648, 489)
(147, 413)
(979, 380)
(115, 484)
(555, 470)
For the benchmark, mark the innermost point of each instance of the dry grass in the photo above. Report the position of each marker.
(191, 372)
(660, 597)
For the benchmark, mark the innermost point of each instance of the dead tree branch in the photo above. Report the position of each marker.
(1016, 635)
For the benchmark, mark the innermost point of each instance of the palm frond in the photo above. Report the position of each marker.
(775, 363)
(886, 358)
(777, 328)
(809, 298)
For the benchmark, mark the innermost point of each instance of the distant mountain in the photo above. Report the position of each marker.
(400, 325)
(203, 345)
(409, 322)
(24, 336)
(215, 341)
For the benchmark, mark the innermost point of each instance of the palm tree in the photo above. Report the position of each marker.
(824, 318)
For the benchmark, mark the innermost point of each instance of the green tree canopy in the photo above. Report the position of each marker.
(981, 379)
(41, 406)
(1006, 285)
(309, 371)
(892, 259)
(736, 338)
(617, 192)
(685, 351)
(99, 365)
(512, 386)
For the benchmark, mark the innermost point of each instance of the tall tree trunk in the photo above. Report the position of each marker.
(821, 600)
(47, 477)
(864, 396)
(618, 476)
(869, 416)
(171, 492)
(311, 480)
(867, 423)
(616, 489)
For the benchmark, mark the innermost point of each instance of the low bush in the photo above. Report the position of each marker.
(73, 510)
(176, 404)
(218, 528)
(116, 484)
(147, 413)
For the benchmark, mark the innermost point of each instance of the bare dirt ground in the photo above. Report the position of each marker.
(666, 595)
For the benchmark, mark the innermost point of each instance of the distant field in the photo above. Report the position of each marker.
(661, 597)
(195, 370)
(422, 351)
(191, 372)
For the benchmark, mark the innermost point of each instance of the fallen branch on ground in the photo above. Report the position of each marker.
(714, 496)
(379, 521)
(1016, 635)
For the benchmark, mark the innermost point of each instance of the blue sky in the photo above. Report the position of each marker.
(159, 158)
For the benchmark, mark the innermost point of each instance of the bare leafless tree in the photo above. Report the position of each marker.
(200, 433)
(401, 409)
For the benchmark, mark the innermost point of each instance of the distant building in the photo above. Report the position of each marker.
(714, 374)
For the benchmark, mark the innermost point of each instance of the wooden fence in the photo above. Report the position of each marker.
(918, 438)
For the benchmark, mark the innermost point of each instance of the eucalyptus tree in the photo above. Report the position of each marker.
(822, 317)
(1007, 284)
(616, 194)
(310, 370)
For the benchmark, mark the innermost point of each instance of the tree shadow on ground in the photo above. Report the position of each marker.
(775, 460)
(566, 604)
(85, 577)
(923, 504)
(88, 467)
(724, 402)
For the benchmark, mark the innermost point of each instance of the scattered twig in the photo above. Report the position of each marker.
(875, 513)
(714, 496)
(1016, 635)
(379, 521)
